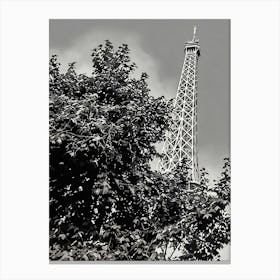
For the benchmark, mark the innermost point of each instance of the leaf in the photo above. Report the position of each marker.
(207, 216)
(62, 236)
(105, 189)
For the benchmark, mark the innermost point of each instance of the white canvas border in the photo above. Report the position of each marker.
(254, 142)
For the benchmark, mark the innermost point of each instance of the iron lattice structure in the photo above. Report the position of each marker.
(181, 141)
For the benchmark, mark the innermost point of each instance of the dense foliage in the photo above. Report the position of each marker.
(105, 201)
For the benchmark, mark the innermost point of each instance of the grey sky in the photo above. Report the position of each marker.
(157, 47)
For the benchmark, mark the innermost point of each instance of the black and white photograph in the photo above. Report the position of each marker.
(139, 140)
(132, 140)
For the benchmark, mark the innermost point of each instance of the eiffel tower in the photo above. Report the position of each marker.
(181, 141)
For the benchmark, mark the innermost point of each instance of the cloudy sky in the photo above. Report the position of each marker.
(157, 47)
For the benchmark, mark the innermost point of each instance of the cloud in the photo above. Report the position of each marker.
(79, 51)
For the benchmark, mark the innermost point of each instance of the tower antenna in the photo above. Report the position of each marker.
(194, 33)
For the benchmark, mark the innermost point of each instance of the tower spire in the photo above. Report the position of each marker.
(181, 141)
(194, 34)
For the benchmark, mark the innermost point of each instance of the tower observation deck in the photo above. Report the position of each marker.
(181, 141)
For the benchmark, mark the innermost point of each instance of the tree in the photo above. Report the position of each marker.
(102, 134)
(105, 201)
